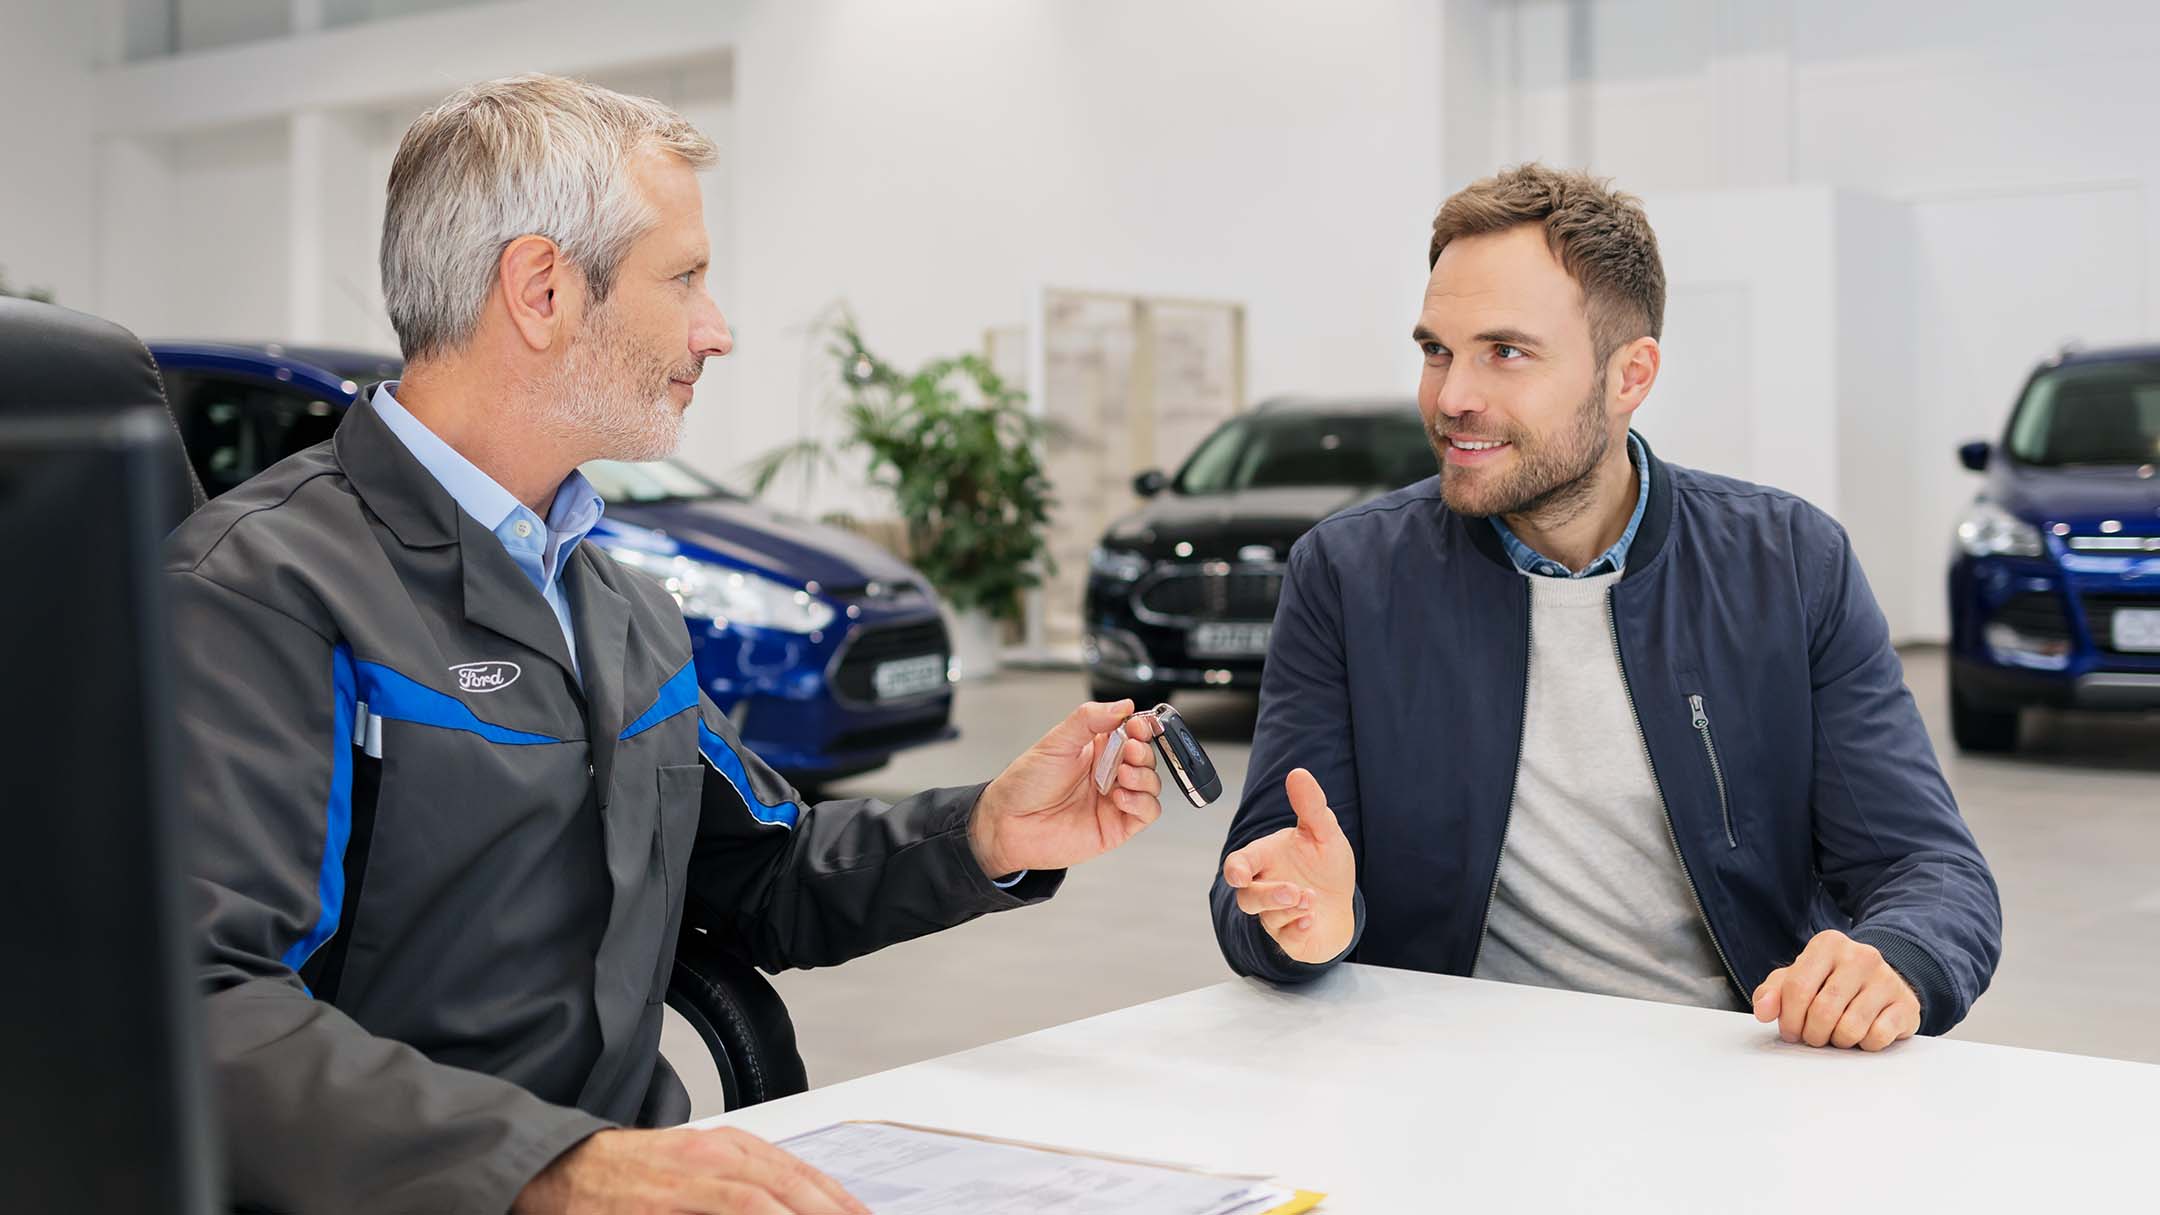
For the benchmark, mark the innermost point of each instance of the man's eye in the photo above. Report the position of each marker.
(685, 277)
(1433, 350)
(1510, 353)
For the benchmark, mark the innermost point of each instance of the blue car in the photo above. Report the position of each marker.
(2055, 582)
(827, 652)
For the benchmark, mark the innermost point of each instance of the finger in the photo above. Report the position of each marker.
(1268, 896)
(1147, 807)
(1803, 979)
(1314, 816)
(1894, 1024)
(1860, 1015)
(792, 1183)
(1096, 717)
(1137, 754)
(1239, 868)
(1844, 982)
(733, 1198)
(1139, 780)
(1766, 996)
(1279, 922)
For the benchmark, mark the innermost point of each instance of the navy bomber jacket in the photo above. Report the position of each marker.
(1397, 671)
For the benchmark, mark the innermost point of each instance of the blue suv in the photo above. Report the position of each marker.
(2055, 581)
(827, 652)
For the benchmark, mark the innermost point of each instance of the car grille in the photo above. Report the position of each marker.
(2100, 617)
(1214, 591)
(859, 659)
(2036, 615)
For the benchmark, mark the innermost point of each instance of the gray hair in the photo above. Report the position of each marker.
(524, 156)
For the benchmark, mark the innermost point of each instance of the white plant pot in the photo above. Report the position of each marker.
(976, 639)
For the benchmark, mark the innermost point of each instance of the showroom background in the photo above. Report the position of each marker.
(1875, 218)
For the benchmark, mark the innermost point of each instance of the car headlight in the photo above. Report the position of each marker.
(730, 596)
(1987, 530)
(1117, 563)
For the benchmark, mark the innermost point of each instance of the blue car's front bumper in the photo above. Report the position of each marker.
(806, 703)
(2033, 631)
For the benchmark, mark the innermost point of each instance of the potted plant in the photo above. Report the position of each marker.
(955, 447)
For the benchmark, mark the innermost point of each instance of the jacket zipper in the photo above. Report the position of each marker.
(1612, 622)
(1493, 891)
(1717, 770)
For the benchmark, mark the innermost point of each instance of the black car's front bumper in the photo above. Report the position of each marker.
(1142, 632)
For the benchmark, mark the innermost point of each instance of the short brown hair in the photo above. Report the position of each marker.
(1600, 235)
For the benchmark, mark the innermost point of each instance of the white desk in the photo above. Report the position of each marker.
(1398, 1092)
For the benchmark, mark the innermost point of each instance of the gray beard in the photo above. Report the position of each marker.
(588, 405)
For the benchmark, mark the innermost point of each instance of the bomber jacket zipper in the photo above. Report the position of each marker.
(1612, 622)
(1717, 770)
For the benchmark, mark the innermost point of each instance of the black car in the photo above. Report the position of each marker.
(1181, 593)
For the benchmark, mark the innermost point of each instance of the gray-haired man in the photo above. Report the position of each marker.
(438, 914)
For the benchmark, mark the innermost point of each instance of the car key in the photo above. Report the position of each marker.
(1190, 768)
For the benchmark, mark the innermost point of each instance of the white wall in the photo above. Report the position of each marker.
(47, 168)
(2016, 138)
(932, 163)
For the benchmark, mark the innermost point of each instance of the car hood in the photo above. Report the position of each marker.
(748, 534)
(2073, 495)
(1219, 526)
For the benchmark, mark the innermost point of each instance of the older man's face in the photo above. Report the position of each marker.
(629, 374)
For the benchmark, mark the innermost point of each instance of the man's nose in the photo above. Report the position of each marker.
(1458, 394)
(709, 335)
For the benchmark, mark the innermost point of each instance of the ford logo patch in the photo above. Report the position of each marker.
(485, 676)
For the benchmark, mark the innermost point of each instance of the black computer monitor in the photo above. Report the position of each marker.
(102, 1107)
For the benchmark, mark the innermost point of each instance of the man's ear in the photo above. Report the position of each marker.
(540, 291)
(1630, 372)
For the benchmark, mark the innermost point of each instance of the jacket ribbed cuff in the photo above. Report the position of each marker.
(1940, 1007)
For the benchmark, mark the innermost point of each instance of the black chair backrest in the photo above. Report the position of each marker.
(66, 362)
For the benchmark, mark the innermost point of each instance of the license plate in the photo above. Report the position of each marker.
(1230, 640)
(908, 676)
(2137, 629)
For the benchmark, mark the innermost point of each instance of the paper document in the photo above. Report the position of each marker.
(905, 1170)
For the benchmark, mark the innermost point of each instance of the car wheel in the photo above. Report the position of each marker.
(1979, 729)
(1144, 696)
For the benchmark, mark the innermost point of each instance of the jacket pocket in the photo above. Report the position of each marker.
(1699, 717)
(681, 798)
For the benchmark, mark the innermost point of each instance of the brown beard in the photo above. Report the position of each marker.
(1552, 478)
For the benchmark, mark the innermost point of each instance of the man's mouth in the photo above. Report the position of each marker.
(1461, 443)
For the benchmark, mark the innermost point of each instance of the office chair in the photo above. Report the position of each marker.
(55, 357)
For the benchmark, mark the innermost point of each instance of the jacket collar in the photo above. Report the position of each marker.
(1649, 539)
(393, 483)
(398, 489)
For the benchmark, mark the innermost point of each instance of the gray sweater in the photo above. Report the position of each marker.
(1590, 893)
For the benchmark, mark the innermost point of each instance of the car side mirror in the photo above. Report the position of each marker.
(1974, 455)
(1150, 483)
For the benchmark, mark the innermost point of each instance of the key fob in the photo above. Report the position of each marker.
(1106, 763)
(1190, 766)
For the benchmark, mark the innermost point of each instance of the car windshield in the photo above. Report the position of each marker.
(659, 481)
(2096, 413)
(1264, 451)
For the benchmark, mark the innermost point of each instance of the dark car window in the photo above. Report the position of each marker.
(1264, 451)
(2100, 413)
(235, 426)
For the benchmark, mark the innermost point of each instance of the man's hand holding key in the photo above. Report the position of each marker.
(1300, 881)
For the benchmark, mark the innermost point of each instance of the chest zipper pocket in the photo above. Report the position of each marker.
(1717, 769)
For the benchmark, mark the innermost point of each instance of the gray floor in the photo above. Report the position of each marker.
(2071, 826)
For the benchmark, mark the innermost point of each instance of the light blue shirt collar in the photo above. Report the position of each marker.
(1612, 560)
